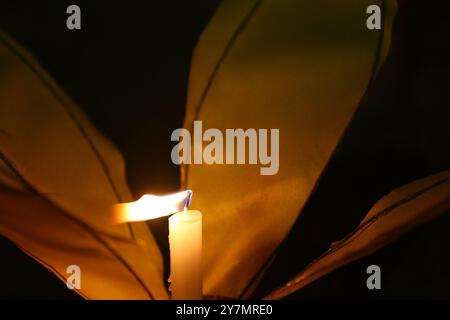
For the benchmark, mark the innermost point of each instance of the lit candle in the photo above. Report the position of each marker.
(185, 240)
(185, 237)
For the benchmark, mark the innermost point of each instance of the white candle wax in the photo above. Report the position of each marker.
(185, 240)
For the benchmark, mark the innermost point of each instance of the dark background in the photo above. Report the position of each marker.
(128, 69)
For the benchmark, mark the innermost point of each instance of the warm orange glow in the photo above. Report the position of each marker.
(151, 207)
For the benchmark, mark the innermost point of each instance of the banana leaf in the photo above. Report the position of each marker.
(298, 66)
(390, 218)
(56, 172)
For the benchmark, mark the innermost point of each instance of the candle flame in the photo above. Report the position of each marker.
(151, 207)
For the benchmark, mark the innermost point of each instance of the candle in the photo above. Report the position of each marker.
(185, 240)
(185, 237)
